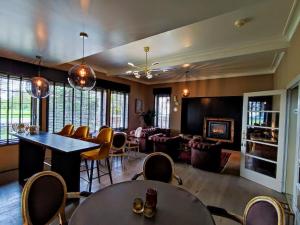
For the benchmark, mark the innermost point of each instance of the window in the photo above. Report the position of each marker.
(256, 116)
(162, 110)
(119, 110)
(16, 106)
(68, 105)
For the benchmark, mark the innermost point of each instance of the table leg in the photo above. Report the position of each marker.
(68, 166)
(31, 160)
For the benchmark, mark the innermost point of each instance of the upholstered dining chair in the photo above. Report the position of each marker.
(104, 138)
(81, 132)
(160, 167)
(260, 210)
(67, 130)
(43, 199)
(118, 148)
(133, 143)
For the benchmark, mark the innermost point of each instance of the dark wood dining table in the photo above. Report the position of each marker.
(65, 156)
(113, 206)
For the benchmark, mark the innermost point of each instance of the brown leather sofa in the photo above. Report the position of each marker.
(205, 154)
(145, 144)
(168, 145)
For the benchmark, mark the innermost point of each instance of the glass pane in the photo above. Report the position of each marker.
(59, 107)
(92, 110)
(50, 109)
(85, 108)
(262, 150)
(266, 135)
(162, 110)
(260, 166)
(68, 105)
(77, 108)
(264, 111)
(118, 110)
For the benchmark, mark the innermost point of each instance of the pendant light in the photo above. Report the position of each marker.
(82, 76)
(185, 91)
(38, 87)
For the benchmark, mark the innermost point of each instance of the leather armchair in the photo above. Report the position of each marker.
(168, 145)
(205, 155)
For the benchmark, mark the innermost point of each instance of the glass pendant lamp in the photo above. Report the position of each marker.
(82, 76)
(38, 87)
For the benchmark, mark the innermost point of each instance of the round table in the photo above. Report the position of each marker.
(113, 206)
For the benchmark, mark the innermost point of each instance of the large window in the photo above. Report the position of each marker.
(162, 110)
(68, 105)
(119, 110)
(16, 106)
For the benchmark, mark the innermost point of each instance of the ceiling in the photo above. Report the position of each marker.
(197, 32)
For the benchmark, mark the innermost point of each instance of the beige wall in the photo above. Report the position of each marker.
(214, 87)
(289, 67)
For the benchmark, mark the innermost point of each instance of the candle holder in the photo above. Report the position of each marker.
(150, 204)
(149, 210)
(138, 206)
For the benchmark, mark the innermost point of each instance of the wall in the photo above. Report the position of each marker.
(289, 67)
(288, 70)
(195, 110)
(214, 88)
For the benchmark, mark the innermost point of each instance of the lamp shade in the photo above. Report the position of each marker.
(37, 87)
(185, 92)
(82, 77)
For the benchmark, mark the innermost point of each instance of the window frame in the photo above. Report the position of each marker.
(124, 110)
(157, 110)
(102, 107)
(35, 106)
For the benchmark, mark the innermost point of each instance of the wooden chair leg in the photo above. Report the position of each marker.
(109, 170)
(98, 170)
(91, 176)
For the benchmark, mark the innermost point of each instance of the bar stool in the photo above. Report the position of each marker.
(104, 138)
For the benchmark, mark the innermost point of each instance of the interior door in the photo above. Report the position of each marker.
(263, 138)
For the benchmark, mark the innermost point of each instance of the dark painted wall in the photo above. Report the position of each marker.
(194, 110)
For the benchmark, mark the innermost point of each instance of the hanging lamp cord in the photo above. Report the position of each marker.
(146, 69)
(40, 61)
(83, 49)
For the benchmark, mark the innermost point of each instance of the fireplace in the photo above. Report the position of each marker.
(219, 129)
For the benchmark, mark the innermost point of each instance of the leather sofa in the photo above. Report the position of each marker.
(205, 154)
(145, 144)
(168, 145)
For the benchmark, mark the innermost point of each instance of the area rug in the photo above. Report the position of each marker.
(224, 159)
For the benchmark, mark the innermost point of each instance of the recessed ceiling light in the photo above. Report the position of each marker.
(130, 64)
(185, 65)
(241, 22)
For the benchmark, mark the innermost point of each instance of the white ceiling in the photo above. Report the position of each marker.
(199, 32)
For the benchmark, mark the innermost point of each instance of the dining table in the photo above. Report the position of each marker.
(113, 205)
(65, 156)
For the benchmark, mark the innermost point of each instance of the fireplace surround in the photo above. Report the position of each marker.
(219, 129)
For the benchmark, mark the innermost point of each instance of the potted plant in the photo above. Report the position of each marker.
(148, 117)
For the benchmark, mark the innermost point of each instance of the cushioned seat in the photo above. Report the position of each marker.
(104, 138)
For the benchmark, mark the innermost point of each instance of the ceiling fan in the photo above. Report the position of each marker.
(148, 71)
